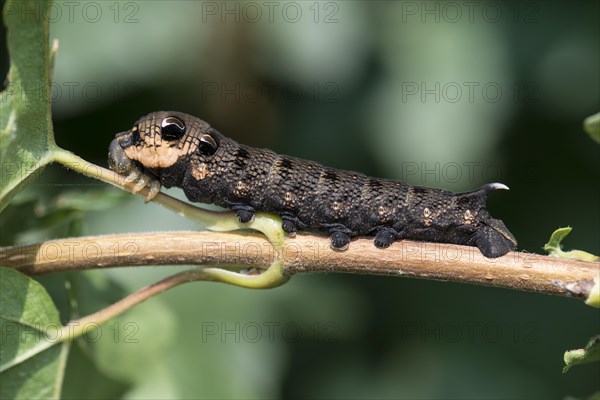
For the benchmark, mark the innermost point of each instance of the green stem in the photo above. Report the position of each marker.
(270, 278)
(221, 221)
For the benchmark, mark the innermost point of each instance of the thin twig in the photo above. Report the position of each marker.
(80, 326)
(306, 253)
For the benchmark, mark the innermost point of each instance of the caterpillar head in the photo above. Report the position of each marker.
(161, 143)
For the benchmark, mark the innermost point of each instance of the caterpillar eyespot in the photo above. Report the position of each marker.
(180, 150)
(172, 128)
(208, 145)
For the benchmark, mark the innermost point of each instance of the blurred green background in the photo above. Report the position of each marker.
(442, 94)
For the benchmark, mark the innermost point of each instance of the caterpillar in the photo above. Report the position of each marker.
(174, 149)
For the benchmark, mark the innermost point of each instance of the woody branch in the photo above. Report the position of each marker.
(306, 253)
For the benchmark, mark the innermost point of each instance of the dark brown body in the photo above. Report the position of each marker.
(211, 168)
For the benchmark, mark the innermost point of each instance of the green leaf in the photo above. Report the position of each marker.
(557, 237)
(592, 126)
(554, 247)
(31, 363)
(590, 353)
(26, 135)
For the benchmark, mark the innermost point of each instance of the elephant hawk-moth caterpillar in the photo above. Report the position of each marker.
(176, 149)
